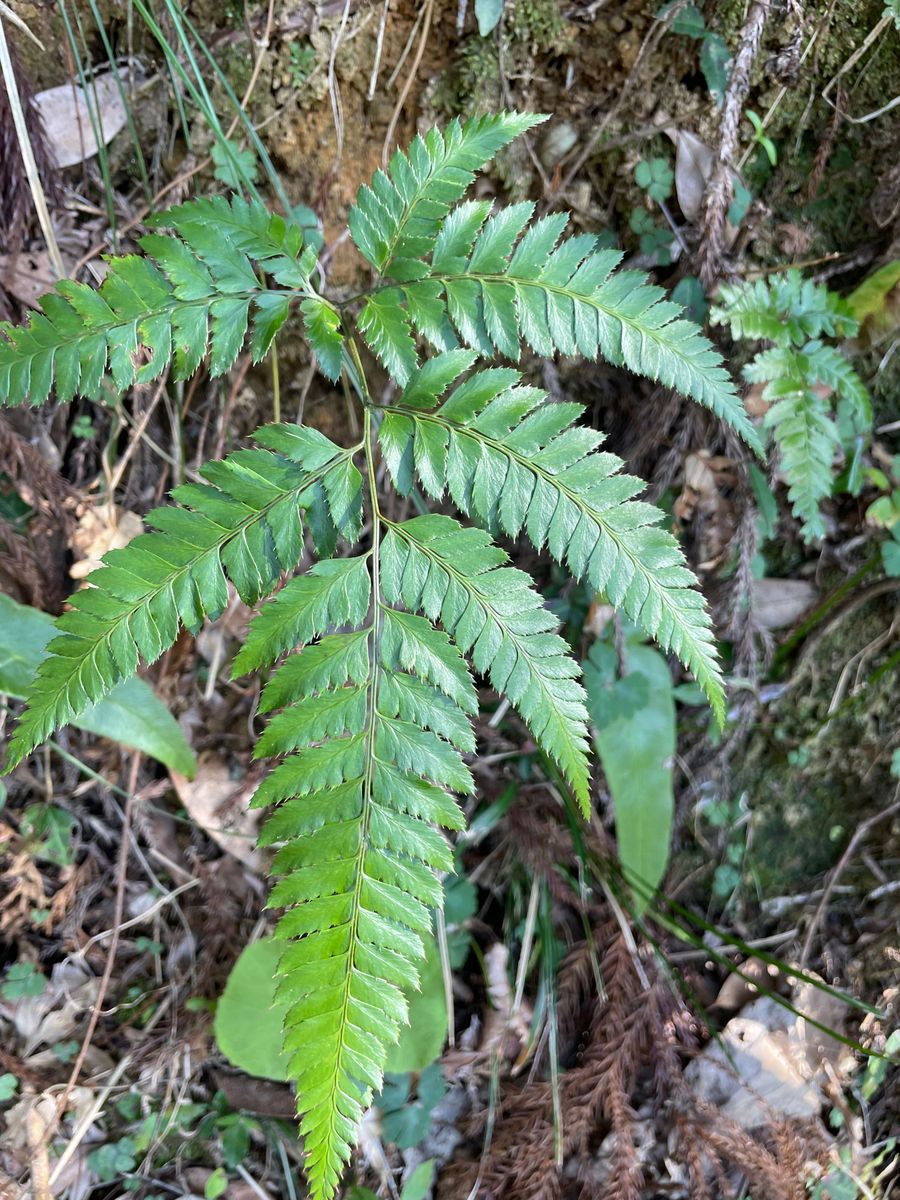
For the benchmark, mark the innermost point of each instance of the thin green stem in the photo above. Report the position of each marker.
(276, 383)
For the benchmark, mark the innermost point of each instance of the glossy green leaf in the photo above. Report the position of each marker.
(634, 720)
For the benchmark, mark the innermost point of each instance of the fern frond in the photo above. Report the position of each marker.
(786, 309)
(801, 420)
(807, 439)
(394, 222)
(359, 853)
(242, 524)
(516, 463)
(492, 612)
(187, 296)
(498, 287)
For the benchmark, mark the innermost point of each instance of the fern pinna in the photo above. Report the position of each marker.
(369, 653)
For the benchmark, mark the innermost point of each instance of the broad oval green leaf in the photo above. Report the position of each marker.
(249, 1024)
(488, 13)
(422, 1040)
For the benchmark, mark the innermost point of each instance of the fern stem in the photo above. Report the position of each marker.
(369, 777)
(276, 385)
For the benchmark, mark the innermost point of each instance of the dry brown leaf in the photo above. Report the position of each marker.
(694, 162)
(219, 805)
(67, 118)
(27, 276)
(705, 504)
(754, 403)
(778, 603)
(53, 1015)
(102, 528)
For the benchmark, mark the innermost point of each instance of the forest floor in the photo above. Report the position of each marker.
(596, 1052)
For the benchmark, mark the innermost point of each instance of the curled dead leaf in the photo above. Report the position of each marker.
(770, 1063)
(219, 804)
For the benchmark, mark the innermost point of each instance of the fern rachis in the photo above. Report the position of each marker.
(370, 689)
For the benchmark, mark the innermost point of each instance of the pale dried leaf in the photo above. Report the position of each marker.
(100, 529)
(27, 276)
(67, 118)
(779, 603)
(694, 162)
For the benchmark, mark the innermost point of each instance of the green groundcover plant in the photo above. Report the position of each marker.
(375, 642)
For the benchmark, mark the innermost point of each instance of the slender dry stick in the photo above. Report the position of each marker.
(25, 149)
(121, 872)
(379, 46)
(401, 100)
(859, 834)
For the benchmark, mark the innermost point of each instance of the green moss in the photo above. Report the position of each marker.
(534, 26)
(808, 777)
(472, 84)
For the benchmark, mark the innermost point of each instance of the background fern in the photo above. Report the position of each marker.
(812, 388)
(371, 700)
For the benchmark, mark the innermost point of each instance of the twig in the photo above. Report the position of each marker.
(719, 189)
(859, 833)
(379, 46)
(141, 918)
(401, 99)
(116, 477)
(121, 872)
(81, 1129)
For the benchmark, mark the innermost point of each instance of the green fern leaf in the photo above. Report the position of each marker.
(798, 374)
(192, 293)
(355, 821)
(785, 309)
(394, 222)
(385, 325)
(323, 328)
(517, 463)
(807, 439)
(243, 524)
(456, 575)
(370, 708)
(556, 296)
